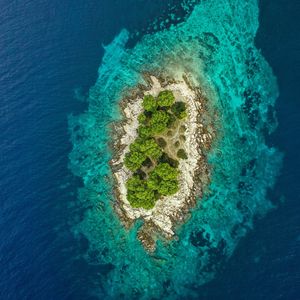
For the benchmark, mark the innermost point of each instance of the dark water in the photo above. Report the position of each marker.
(266, 265)
(50, 48)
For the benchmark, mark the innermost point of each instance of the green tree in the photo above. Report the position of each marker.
(165, 99)
(153, 181)
(149, 103)
(142, 118)
(163, 179)
(134, 160)
(144, 131)
(166, 172)
(168, 187)
(159, 121)
(151, 148)
(147, 146)
(138, 193)
(135, 184)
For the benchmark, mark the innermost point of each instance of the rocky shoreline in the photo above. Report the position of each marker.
(170, 211)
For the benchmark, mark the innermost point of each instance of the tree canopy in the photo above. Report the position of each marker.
(134, 160)
(165, 98)
(148, 147)
(159, 121)
(155, 174)
(138, 193)
(149, 103)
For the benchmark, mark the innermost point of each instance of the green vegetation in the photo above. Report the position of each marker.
(165, 98)
(181, 154)
(155, 173)
(149, 103)
(179, 109)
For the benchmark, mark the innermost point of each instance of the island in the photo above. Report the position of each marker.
(166, 240)
(160, 163)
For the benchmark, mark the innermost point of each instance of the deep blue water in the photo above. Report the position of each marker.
(50, 48)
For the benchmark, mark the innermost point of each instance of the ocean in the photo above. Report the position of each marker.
(49, 58)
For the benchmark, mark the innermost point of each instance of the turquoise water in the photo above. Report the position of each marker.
(216, 45)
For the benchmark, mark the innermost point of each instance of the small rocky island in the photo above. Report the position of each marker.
(160, 165)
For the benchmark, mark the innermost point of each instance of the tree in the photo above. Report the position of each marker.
(165, 99)
(149, 103)
(145, 187)
(166, 172)
(135, 184)
(168, 187)
(151, 148)
(163, 179)
(134, 160)
(144, 131)
(138, 193)
(153, 181)
(159, 121)
(179, 109)
(147, 146)
(142, 118)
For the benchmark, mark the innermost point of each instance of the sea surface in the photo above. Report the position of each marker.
(50, 52)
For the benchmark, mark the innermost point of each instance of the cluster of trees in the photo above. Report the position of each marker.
(162, 181)
(140, 150)
(160, 113)
(144, 189)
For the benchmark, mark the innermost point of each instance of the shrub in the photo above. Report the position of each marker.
(169, 133)
(149, 103)
(181, 154)
(171, 121)
(179, 109)
(182, 137)
(161, 142)
(182, 128)
(165, 99)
